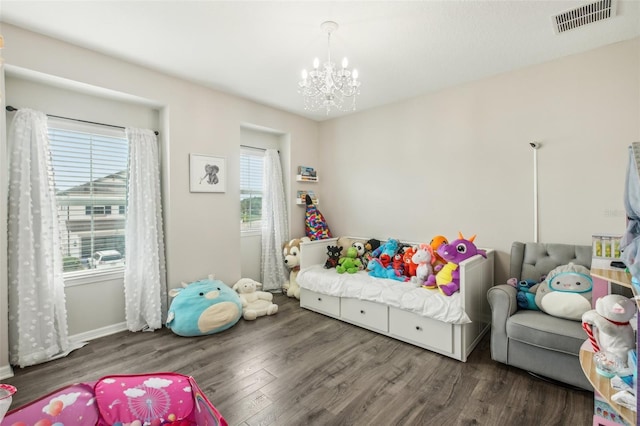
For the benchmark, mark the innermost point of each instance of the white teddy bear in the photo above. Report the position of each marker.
(255, 303)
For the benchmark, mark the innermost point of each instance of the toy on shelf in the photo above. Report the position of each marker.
(608, 327)
(606, 246)
(307, 174)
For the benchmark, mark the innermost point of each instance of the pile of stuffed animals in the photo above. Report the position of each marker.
(210, 306)
(432, 266)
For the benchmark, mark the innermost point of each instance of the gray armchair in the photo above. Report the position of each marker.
(532, 340)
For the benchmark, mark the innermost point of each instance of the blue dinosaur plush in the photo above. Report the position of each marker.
(203, 307)
(526, 296)
(386, 251)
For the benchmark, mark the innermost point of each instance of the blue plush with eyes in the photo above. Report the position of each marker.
(203, 307)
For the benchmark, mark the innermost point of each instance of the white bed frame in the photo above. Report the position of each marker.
(453, 340)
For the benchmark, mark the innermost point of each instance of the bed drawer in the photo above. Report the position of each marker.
(421, 330)
(318, 302)
(368, 314)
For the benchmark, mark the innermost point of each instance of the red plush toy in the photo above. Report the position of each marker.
(398, 263)
(409, 266)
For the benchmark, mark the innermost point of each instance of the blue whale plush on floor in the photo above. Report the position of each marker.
(203, 307)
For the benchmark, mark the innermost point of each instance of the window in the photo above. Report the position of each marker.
(251, 169)
(90, 179)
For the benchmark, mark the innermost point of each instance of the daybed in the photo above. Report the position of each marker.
(450, 326)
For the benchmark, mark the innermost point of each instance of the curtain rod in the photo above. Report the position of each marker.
(255, 147)
(12, 109)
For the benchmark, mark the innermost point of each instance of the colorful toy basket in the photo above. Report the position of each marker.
(118, 400)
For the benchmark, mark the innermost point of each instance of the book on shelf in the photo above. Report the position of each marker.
(307, 172)
(302, 196)
(307, 178)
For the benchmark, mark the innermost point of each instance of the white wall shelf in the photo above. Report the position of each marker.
(300, 178)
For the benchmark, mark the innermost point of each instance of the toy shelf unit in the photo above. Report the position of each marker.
(306, 174)
(606, 411)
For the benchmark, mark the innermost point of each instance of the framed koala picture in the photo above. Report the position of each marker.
(207, 173)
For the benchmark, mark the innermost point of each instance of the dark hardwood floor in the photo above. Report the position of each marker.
(302, 368)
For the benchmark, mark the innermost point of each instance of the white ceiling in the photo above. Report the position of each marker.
(257, 50)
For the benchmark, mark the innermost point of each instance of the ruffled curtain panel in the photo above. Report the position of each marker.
(145, 282)
(37, 312)
(275, 225)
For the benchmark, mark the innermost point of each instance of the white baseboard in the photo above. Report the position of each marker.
(5, 372)
(99, 332)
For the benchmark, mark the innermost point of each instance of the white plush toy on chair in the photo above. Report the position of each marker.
(255, 303)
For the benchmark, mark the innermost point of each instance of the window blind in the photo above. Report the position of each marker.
(251, 176)
(89, 175)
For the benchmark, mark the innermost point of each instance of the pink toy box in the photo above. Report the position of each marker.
(122, 400)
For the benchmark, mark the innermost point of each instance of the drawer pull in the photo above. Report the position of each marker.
(418, 328)
(319, 299)
(361, 311)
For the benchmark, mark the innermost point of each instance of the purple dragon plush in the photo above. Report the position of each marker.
(447, 278)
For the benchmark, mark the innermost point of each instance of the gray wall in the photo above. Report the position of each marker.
(201, 229)
(460, 160)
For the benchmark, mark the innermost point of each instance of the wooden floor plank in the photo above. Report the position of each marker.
(301, 368)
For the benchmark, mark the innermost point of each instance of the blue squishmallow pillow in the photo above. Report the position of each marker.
(203, 307)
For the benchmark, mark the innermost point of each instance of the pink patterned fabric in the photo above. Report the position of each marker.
(122, 400)
(71, 405)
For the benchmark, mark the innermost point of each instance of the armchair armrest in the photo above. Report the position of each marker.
(502, 299)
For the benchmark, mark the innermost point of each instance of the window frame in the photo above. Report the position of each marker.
(251, 152)
(100, 209)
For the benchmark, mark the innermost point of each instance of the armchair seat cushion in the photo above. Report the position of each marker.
(547, 332)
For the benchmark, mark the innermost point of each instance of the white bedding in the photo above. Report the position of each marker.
(406, 296)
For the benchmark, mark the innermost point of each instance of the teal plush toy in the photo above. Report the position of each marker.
(526, 297)
(203, 307)
(350, 263)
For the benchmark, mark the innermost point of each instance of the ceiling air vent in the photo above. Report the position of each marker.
(583, 15)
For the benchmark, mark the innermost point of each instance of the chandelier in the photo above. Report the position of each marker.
(329, 87)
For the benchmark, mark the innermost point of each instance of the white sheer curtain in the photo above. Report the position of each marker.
(275, 225)
(145, 283)
(37, 311)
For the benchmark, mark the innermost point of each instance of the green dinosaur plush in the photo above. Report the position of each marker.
(350, 263)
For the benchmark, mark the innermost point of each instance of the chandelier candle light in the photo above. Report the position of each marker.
(329, 87)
